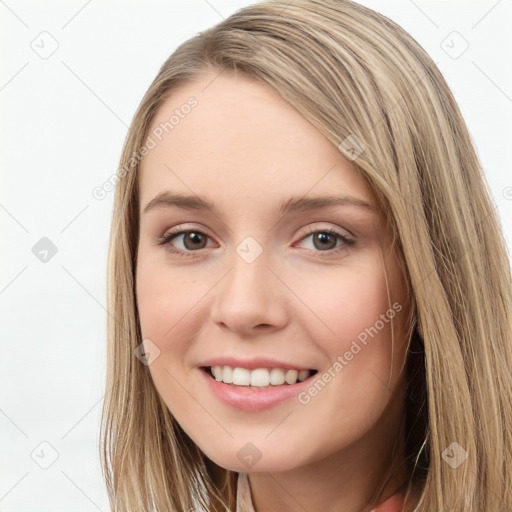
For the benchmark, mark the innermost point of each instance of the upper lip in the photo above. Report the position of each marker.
(253, 363)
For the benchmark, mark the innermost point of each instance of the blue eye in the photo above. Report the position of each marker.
(194, 240)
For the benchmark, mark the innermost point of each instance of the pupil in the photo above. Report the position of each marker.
(322, 238)
(196, 239)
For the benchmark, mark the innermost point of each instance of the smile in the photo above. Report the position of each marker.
(254, 398)
(258, 378)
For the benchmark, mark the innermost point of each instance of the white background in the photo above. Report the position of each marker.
(63, 123)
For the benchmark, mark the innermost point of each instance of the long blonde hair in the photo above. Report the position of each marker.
(355, 75)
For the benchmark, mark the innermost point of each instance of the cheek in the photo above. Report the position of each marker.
(342, 304)
(169, 316)
(352, 325)
(166, 301)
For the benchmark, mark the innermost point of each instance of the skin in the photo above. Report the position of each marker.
(246, 149)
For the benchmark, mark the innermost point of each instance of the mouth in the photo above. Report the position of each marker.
(259, 378)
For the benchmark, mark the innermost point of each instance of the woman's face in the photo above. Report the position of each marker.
(284, 269)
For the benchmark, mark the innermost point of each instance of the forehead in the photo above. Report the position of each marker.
(241, 136)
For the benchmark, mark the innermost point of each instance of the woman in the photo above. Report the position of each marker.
(249, 368)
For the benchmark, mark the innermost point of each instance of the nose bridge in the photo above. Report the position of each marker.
(249, 295)
(248, 280)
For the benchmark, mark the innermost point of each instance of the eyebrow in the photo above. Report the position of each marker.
(168, 199)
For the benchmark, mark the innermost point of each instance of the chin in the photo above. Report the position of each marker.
(253, 457)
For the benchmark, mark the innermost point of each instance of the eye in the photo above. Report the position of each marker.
(325, 240)
(191, 240)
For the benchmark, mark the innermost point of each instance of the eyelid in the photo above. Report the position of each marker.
(330, 229)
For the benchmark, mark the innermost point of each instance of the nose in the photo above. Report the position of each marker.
(250, 299)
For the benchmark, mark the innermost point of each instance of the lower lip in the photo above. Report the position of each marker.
(254, 399)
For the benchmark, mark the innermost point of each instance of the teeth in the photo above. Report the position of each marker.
(303, 375)
(227, 374)
(241, 376)
(277, 376)
(260, 377)
(291, 376)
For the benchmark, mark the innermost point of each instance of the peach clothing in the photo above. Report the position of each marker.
(243, 494)
(244, 499)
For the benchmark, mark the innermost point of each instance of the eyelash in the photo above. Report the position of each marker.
(166, 239)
